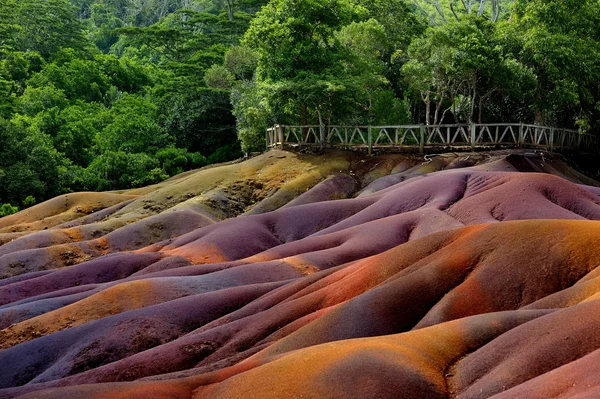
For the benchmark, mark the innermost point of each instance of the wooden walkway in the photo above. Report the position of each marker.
(421, 138)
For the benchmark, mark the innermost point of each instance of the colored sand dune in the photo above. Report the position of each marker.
(288, 276)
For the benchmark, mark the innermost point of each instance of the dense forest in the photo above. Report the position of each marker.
(112, 94)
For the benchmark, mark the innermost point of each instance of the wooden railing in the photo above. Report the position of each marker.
(413, 137)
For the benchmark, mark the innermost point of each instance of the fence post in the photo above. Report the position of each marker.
(267, 139)
(370, 141)
(520, 134)
(279, 136)
(422, 138)
(552, 139)
(322, 135)
(473, 128)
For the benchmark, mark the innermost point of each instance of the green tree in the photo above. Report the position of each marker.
(253, 115)
(43, 26)
(460, 65)
(176, 160)
(219, 77)
(133, 127)
(241, 62)
(561, 42)
(29, 201)
(401, 27)
(8, 209)
(117, 169)
(299, 55)
(29, 164)
(102, 23)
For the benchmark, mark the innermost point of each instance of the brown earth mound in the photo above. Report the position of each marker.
(303, 276)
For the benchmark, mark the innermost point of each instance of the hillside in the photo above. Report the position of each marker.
(101, 95)
(295, 275)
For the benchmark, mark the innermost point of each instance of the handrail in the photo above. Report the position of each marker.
(421, 136)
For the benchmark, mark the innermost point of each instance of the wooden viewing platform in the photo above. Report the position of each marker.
(421, 137)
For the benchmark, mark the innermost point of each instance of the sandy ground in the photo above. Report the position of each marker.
(315, 276)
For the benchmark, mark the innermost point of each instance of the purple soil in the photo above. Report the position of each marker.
(440, 280)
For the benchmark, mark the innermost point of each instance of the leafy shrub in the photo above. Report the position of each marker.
(219, 77)
(8, 209)
(224, 154)
(29, 201)
(117, 170)
(176, 160)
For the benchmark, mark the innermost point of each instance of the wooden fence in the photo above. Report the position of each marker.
(420, 137)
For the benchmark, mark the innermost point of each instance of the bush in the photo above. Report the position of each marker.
(8, 209)
(118, 170)
(29, 201)
(389, 110)
(241, 62)
(219, 77)
(172, 160)
(196, 160)
(224, 154)
(176, 160)
(252, 114)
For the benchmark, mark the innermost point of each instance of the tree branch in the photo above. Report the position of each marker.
(454, 11)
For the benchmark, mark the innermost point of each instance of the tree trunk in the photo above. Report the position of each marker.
(427, 109)
(474, 95)
(539, 117)
(230, 9)
(321, 129)
(438, 107)
(304, 121)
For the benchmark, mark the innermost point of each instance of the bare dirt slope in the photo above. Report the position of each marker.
(334, 276)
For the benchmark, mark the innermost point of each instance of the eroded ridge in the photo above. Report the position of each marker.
(390, 278)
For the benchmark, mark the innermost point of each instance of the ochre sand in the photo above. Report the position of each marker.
(302, 276)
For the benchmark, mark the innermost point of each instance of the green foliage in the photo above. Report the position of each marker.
(79, 79)
(459, 65)
(79, 126)
(117, 169)
(300, 68)
(241, 62)
(176, 160)
(219, 77)
(29, 201)
(133, 127)
(224, 154)
(103, 22)
(110, 94)
(561, 42)
(387, 109)
(8, 209)
(320, 62)
(253, 115)
(42, 26)
(296, 38)
(42, 99)
(107, 94)
(200, 121)
(29, 164)
(445, 11)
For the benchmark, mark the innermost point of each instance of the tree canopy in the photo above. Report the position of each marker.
(111, 94)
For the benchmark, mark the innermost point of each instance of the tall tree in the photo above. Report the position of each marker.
(458, 66)
(299, 54)
(43, 26)
(560, 40)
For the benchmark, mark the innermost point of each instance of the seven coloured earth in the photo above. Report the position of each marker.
(459, 275)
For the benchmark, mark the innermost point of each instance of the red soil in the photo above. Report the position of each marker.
(460, 277)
